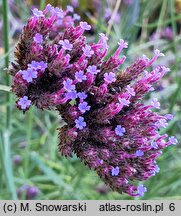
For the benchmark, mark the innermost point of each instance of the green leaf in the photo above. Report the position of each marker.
(5, 88)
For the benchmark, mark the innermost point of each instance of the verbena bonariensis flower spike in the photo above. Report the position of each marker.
(108, 127)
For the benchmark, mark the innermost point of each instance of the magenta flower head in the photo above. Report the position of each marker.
(107, 124)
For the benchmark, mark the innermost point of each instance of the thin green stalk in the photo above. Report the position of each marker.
(6, 59)
(28, 138)
(111, 21)
(161, 16)
(174, 27)
(42, 4)
(6, 133)
(5, 88)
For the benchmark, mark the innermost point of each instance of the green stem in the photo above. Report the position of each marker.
(161, 16)
(5, 88)
(7, 147)
(174, 27)
(6, 59)
(111, 21)
(42, 4)
(28, 138)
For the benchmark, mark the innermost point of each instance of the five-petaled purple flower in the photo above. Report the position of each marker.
(82, 95)
(38, 65)
(109, 77)
(93, 69)
(87, 51)
(24, 103)
(124, 101)
(158, 53)
(169, 116)
(79, 76)
(38, 38)
(115, 171)
(173, 140)
(80, 123)
(71, 95)
(37, 13)
(141, 190)
(76, 17)
(155, 103)
(162, 123)
(130, 90)
(29, 75)
(122, 43)
(66, 45)
(83, 107)
(139, 153)
(68, 85)
(85, 26)
(58, 12)
(119, 130)
(70, 8)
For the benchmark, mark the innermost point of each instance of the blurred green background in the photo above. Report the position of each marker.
(28, 143)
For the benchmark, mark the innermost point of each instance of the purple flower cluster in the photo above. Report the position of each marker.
(27, 192)
(107, 125)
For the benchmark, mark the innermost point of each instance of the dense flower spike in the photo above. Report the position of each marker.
(107, 125)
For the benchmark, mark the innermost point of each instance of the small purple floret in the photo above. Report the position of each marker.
(169, 116)
(109, 77)
(37, 13)
(82, 95)
(130, 90)
(71, 95)
(80, 123)
(122, 43)
(85, 26)
(76, 17)
(70, 9)
(119, 130)
(79, 76)
(38, 38)
(115, 171)
(139, 153)
(162, 123)
(83, 107)
(141, 190)
(87, 51)
(93, 69)
(68, 85)
(124, 102)
(38, 65)
(24, 103)
(66, 45)
(29, 75)
(100, 161)
(58, 12)
(155, 103)
(173, 140)
(32, 192)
